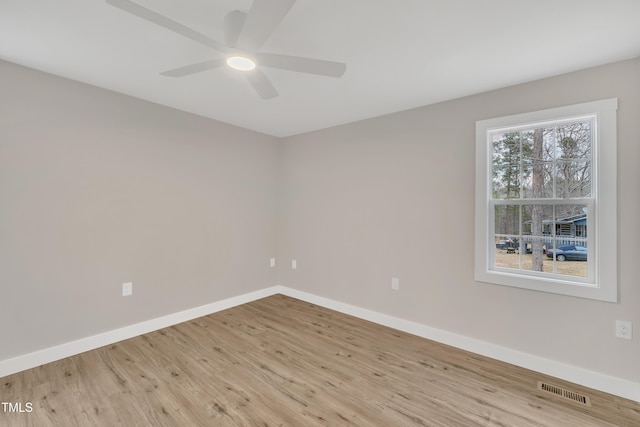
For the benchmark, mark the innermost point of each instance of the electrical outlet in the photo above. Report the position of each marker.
(623, 329)
(127, 289)
(395, 283)
(272, 262)
(294, 264)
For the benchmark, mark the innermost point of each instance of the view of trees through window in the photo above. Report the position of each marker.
(541, 193)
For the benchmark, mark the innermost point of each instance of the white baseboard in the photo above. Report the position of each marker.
(606, 383)
(595, 380)
(51, 354)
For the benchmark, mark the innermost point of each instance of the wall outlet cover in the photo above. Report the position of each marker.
(624, 329)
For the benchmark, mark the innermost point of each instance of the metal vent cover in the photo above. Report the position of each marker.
(564, 393)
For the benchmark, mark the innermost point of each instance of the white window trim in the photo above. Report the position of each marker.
(605, 272)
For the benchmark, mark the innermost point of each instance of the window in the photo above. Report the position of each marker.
(546, 200)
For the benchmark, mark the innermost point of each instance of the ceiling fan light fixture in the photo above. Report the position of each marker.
(241, 63)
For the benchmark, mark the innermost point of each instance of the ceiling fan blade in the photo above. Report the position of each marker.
(262, 19)
(233, 22)
(194, 68)
(301, 65)
(163, 21)
(261, 84)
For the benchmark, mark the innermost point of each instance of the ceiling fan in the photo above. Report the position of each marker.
(245, 33)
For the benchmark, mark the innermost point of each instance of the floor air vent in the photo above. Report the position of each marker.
(564, 393)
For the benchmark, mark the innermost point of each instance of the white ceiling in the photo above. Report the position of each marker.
(400, 54)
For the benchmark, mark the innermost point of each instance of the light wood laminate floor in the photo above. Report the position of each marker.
(279, 361)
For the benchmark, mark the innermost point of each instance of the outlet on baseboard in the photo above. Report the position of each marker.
(127, 289)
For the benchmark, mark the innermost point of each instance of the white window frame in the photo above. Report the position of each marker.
(602, 281)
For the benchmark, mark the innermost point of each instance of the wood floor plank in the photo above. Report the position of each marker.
(283, 362)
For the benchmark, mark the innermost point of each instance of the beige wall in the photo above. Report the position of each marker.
(394, 196)
(97, 189)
